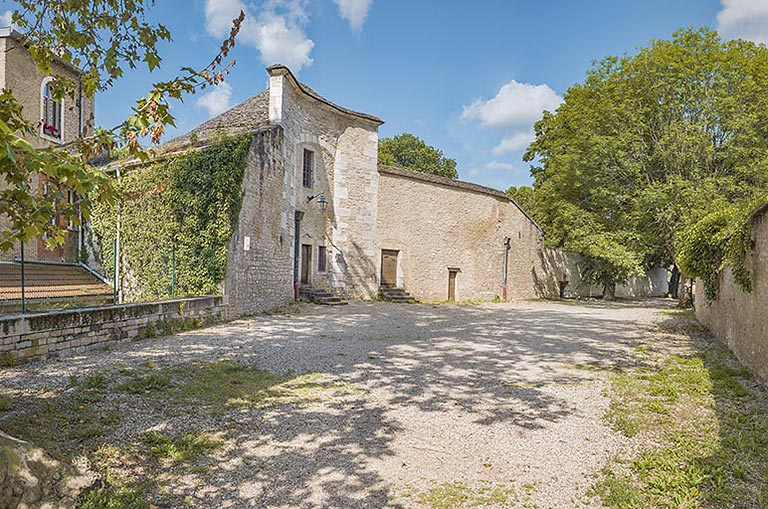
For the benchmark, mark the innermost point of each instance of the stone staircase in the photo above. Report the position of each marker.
(396, 295)
(320, 296)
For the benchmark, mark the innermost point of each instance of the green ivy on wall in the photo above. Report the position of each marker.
(721, 239)
(177, 218)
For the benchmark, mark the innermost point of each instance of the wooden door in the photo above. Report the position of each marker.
(388, 267)
(452, 284)
(306, 263)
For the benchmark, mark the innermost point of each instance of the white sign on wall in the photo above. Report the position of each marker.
(246, 243)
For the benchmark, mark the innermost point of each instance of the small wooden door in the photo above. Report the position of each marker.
(306, 263)
(388, 267)
(452, 284)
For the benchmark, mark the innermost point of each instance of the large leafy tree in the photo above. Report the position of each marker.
(410, 152)
(102, 37)
(649, 144)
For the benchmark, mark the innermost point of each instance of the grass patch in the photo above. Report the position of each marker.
(706, 422)
(225, 384)
(184, 448)
(454, 495)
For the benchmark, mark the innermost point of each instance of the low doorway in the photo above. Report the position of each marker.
(389, 268)
(452, 273)
(306, 263)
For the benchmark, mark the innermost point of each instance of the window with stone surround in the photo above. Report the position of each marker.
(309, 167)
(51, 112)
(322, 259)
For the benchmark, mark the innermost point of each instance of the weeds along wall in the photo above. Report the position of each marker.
(176, 220)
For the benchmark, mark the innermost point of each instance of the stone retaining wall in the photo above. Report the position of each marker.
(741, 319)
(62, 333)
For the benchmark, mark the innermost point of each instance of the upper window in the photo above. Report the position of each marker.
(309, 167)
(51, 112)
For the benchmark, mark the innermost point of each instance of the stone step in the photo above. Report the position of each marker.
(320, 296)
(396, 295)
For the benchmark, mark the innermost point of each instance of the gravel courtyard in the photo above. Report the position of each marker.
(372, 405)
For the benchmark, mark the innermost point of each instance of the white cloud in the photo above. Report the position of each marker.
(516, 104)
(5, 19)
(276, 31)
(281, 41)
(744, 19)
(513, 143)
(217, 100)
(354, 11)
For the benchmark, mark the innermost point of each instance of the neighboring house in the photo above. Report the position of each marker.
(56, 123)
(319, 211)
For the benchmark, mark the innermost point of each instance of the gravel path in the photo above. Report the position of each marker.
(449, 404)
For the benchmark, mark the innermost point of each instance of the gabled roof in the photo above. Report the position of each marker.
(279, 69)
(457, 184)
(19, 37)
(246, 116)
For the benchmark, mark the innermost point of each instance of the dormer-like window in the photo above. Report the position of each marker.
(51, 112)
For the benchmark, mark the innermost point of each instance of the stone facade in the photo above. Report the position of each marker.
(259, 265)
(62, 333)
(345, 148)
(738, 318)
(436, 224)
(20, 75)
(313, 189)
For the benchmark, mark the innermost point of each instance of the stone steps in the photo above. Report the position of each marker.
(396, 295)
(320, 296)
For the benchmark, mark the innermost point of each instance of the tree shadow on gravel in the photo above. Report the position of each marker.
(492, 364)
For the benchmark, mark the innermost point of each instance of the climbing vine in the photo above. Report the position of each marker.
(721, 239)
(176, 219)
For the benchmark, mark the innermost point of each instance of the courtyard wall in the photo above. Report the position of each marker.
(741, 319)
(67, 332)
(437, 223)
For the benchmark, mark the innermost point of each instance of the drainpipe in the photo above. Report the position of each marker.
(506, 259)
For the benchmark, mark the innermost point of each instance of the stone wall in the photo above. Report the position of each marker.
(259, 267)
(62, 333)
(437, 224)
(346, 146)
(741, 319)
(557, 264)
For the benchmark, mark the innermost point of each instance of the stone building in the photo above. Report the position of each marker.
(319, 211)
(56, 122)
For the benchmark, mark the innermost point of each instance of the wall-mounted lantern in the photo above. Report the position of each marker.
(322, 201)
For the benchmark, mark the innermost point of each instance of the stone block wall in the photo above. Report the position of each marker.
(66, 332)
(259, 266)
(346, 150)
(741, 319)
(437, 224)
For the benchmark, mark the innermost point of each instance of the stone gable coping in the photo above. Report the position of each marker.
(281, 70)
(457, 184)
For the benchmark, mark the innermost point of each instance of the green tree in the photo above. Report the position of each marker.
(410, 152)
(525, 196)
(102, 37)
(649, 144)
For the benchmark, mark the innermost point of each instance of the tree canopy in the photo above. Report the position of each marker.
(649, 144)
(408, 151)
(102, 37)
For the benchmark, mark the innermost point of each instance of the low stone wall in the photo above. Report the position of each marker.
(741, 319)
(62, 333)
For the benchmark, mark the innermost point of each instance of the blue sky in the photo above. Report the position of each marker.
(468, 77)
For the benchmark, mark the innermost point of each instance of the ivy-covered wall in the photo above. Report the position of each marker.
(176, 220)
